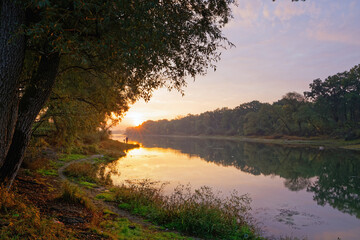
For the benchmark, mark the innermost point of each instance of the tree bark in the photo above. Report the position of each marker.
(31, 103)
(12, 52)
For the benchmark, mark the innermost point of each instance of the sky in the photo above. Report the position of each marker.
(281, 47)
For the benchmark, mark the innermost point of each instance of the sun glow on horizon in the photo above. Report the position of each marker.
(135, 118)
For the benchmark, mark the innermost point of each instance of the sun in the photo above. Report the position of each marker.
(135, 118)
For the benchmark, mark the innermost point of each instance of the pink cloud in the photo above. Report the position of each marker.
(335, 35)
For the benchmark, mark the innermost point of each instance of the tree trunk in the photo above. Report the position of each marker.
(31, 103)
(12, 52)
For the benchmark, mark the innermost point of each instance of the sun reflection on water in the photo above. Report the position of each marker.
(175, 167)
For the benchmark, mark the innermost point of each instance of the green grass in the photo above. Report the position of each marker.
(88, 184)
(55, 165)
(108, 212)
(353, 147)
(70, 157)
(109, 197)
(47, 172)
(200, 213)
(122, 228)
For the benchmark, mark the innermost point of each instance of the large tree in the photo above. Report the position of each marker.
(137, 45)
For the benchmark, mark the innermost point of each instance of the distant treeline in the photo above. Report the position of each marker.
(331, 107)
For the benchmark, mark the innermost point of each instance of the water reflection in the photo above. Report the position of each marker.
(295, 191)
(332, 175)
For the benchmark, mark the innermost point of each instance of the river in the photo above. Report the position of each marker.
(296, 192)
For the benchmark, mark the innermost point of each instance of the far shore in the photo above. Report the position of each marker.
(321, 141)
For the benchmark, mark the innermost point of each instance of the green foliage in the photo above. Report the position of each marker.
(202, 213)
(114, 53)
(339, 97)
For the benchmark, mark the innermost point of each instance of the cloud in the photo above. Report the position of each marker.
(338, 28)
(266, 13)
(335, 35)
(247, 12)
(286, 10)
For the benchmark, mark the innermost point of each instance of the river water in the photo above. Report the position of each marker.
(296, 192)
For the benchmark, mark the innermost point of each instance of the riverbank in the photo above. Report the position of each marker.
(44, 203)
(321, 141)
(62, 196)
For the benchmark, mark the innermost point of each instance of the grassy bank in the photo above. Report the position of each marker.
(40, 206)
(325, 141)
(200, 213)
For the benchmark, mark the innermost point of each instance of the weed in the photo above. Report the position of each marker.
(47, 172)
(122, 228)
(36, 162)
(21, 220)
(55, 164)
(72, 194)
(109, 212)
(109, 197)
(70, 157)
(202, 212)
(82, 171)
(87, 184)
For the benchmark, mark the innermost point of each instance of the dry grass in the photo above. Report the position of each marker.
(82, 171)
(21, 220)
(72, 194)
(88, 174)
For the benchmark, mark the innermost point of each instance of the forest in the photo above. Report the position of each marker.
(331, 107)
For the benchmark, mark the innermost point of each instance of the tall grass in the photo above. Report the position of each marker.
(83, 172)
(72, 194)
(201, 212)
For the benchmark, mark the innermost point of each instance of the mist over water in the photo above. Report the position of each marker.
(301, 192)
